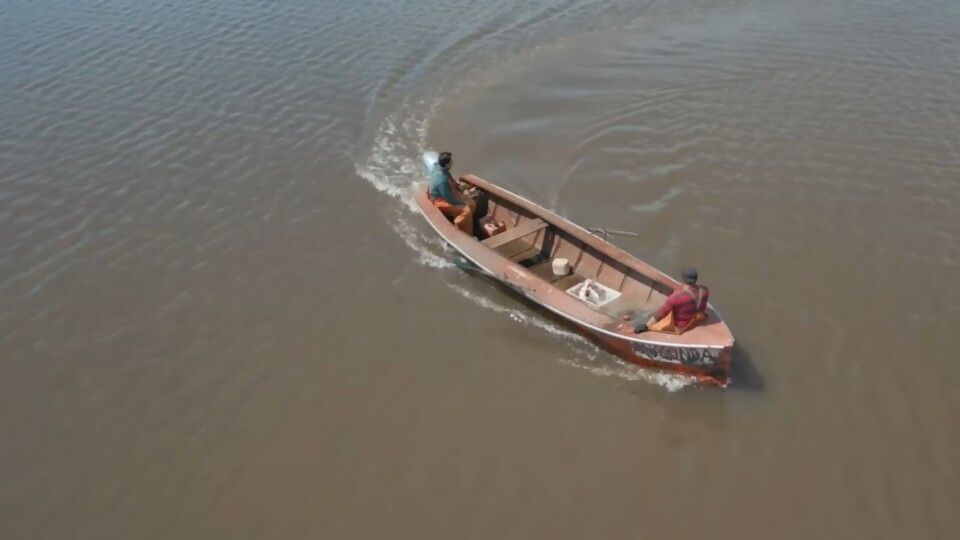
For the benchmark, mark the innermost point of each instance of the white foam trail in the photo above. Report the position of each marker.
(426, 248)
(520, 317)
(392, 167)
(590, 357)
(622, 370)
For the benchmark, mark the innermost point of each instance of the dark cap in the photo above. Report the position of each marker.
(689, 274)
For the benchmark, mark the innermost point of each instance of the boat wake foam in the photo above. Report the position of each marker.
(427, 249)
(590, 357)
(622, 370)
(392, 167)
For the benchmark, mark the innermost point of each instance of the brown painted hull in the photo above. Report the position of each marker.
(715, 372)
(703, 353)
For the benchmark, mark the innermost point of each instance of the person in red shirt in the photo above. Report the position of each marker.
(684, 304)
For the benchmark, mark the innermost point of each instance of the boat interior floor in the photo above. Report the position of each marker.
(523, 244)
(519, 246)
(630, 308)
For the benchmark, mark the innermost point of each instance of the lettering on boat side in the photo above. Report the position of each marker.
(677, 355)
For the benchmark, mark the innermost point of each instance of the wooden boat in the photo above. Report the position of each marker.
(522, 258)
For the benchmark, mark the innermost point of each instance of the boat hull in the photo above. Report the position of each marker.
(707, 365)
(703, 353)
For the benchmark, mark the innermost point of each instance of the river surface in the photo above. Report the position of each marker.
(221, 316)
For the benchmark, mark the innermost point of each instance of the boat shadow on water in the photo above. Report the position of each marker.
(744, 376)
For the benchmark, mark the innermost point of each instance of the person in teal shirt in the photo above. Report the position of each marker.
(447, 197)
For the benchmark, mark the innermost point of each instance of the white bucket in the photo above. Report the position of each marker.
(561, 267)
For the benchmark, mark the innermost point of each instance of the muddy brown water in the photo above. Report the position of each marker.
(220, 315)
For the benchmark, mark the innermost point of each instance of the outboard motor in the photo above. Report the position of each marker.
(429, 159)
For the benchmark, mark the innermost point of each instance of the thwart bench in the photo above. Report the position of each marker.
(515, 233)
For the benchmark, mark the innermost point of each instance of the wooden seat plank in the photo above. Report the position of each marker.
(510, 235)
(513, 248)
